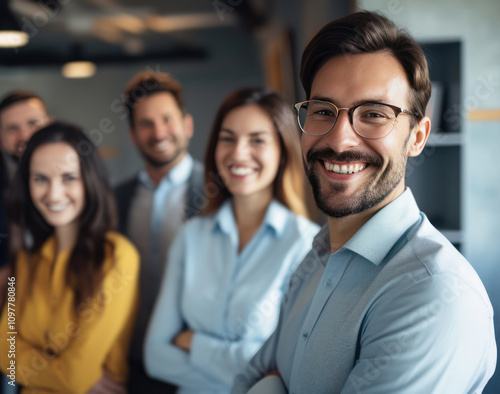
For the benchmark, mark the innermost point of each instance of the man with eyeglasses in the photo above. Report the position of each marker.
(383, 303)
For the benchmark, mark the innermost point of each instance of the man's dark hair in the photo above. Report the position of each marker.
(368, 32)
(18, 97)
(147, 83)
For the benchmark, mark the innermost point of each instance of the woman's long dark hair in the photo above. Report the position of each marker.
(29, 230)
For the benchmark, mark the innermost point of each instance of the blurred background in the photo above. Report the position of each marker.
(215, 46)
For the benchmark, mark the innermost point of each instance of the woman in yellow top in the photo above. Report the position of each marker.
(72, 293)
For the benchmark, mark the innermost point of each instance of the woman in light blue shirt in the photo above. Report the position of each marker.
(229, 268)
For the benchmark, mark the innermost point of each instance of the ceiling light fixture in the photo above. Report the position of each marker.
(11, 34)
(77, 67)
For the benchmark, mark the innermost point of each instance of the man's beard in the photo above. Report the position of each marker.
(158, 163)
(368, 195)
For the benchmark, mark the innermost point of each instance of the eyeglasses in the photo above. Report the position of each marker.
(369, 120)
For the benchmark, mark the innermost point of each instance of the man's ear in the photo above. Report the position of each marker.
(418, 137)
(188, 125)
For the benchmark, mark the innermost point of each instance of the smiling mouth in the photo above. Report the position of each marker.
(241, 171)
(344, 168)
(57, 207)
(161, 145)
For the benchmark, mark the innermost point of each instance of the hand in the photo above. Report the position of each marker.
(107, 385)
(183, 340)
(275, 372)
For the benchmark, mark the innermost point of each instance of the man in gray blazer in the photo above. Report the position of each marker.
(153, 205)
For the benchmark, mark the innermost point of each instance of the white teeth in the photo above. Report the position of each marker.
(161, 145)
(58, 207)
(344, 169)
(241, 170)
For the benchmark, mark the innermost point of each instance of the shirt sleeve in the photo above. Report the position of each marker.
(262, 362)
(101, 320)
(163, 360)
(434, 337)
(223, 359)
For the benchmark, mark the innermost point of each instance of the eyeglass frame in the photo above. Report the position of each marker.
(350, 111)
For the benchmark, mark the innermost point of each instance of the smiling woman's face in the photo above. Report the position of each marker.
(248, 152)
(56, 184)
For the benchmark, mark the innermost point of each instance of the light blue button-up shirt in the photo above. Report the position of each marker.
(156, 214)
(231, 300)
(396, 310)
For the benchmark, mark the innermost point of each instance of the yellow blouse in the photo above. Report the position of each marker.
(56, 350)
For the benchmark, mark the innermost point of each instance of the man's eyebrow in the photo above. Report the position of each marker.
(381, 100)
(323, 98)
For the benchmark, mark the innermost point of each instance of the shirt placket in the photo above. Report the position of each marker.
(331, 277)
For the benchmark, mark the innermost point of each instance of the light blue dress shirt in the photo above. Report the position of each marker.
(231, 300)
(396, 310)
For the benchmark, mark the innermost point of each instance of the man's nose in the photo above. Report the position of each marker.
(343, 136)
(26, 132)
(160, 130)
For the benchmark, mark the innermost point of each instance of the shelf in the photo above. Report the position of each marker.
(434, 178)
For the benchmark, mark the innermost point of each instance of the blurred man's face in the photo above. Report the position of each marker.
(161, 131)
(19, 122)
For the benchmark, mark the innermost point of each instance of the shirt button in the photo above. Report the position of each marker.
(328, 283)
(305, 335)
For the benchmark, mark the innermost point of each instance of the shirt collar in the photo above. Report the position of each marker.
(49, 250)
(275, 218)
(378, 235)
(321, 244)
(176, 176)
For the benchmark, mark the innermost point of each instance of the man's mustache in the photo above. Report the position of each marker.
(347, 156)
